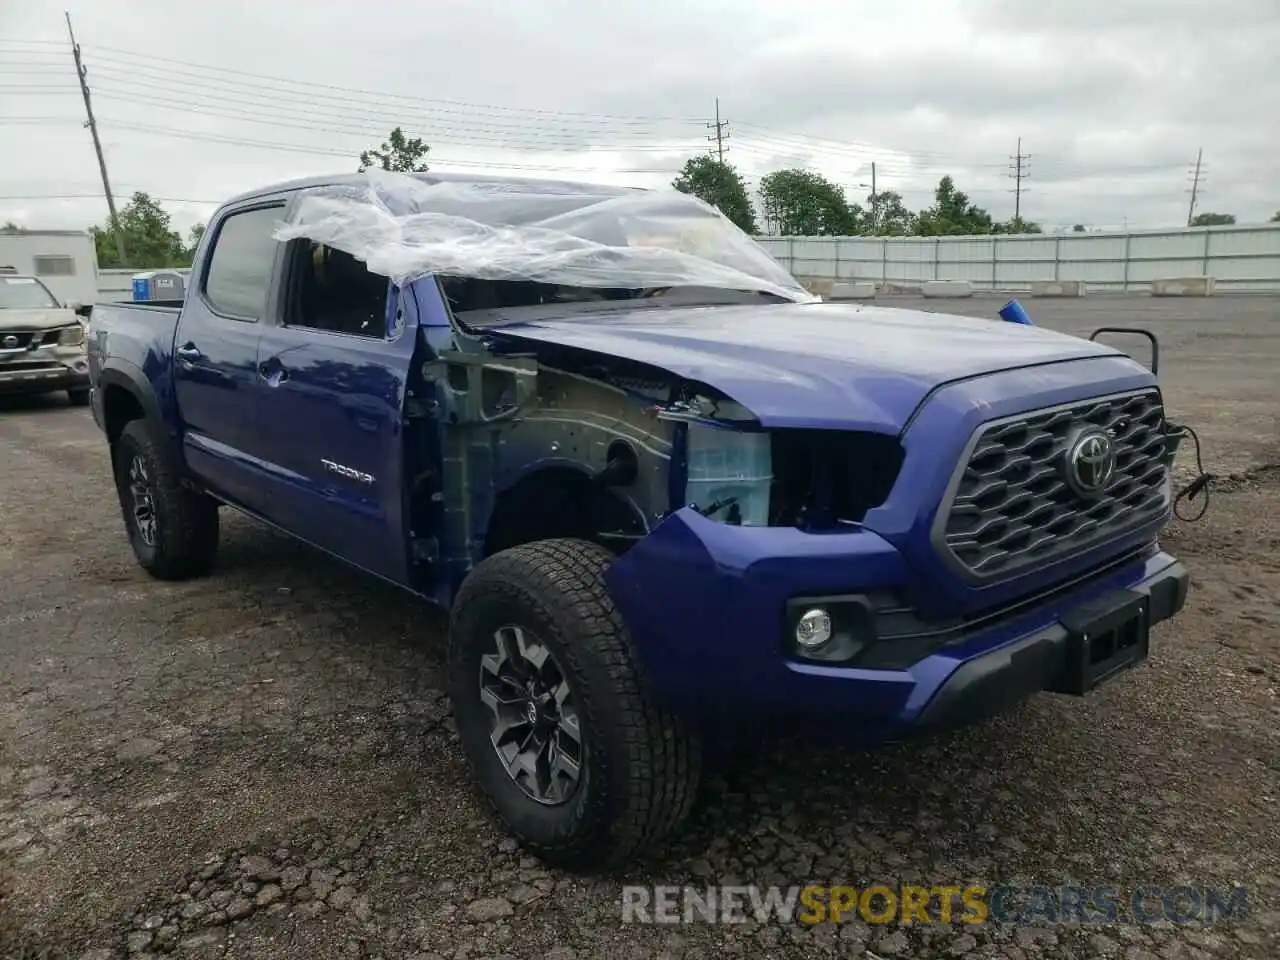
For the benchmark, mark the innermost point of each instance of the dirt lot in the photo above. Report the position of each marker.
(261, 764)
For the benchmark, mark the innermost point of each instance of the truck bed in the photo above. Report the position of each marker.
(136, 335)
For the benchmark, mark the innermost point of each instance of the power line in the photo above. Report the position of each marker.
(1018, 171)
(97, 144)
(141, 80)
(169, 84)
(310, 87)
(334, 152)
(95, 196)
(1195, 187)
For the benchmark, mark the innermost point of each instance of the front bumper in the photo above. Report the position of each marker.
(44, 376)
(1037, 662)
(706, 608)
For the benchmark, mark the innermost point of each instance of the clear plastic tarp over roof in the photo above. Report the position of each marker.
(405, 228)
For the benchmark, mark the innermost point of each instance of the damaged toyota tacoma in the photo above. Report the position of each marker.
(657, 484)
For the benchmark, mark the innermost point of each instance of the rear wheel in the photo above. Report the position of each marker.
(173, 530)
(555, 715)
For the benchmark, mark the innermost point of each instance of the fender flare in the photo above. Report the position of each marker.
(130, 378)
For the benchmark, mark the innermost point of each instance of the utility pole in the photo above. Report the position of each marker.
(1195, 187)
(81, 73)
(721, 132)
(1019, 172)
(875, 202)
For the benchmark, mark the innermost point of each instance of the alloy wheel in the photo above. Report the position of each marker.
(534, 725)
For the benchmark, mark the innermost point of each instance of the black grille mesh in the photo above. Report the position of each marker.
(1013, 507)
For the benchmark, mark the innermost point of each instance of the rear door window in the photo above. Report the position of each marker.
(239, 274)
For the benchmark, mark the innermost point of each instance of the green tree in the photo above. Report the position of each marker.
(1017, 225)
(1213, 219)
(397, 153)
(720, 185)
(887, 215)
(802, 203)
(952, 214)
(1078, 228)
(12, 227)
(1276, 218)
(149, 242)
(193, 239)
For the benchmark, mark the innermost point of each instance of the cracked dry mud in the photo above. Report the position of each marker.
(261, 764)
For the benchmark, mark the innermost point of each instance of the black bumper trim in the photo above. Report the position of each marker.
(1033, 664)
(67, 379)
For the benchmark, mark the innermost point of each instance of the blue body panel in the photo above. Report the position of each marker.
(262, 412)
(716, 641)
(823, 365)
(340, 400)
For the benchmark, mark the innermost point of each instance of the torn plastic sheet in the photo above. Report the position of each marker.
(406, 227)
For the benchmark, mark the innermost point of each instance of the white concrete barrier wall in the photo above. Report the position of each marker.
(947, 288)
(1240, 257)
(860, 290)
(1057, 288)
(1183, 287)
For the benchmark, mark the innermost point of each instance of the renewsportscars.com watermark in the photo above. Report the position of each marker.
(882, 904)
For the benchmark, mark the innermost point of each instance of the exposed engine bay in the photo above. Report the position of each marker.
(567, 443)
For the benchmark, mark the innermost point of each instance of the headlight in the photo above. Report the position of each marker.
(72, 336)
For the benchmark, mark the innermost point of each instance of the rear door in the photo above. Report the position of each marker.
(216, 379)
(333, 371)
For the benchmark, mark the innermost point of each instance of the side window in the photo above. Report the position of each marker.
(336, 292)
(54, 265)
(239, 272)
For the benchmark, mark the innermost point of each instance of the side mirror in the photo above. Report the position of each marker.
(80, 309)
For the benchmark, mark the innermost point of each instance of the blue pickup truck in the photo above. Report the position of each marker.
(658, 485)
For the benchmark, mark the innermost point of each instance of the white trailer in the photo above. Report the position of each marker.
(64, 260)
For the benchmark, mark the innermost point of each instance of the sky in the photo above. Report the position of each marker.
(199, 101)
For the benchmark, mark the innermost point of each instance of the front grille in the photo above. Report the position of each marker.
(24, 339)
(1010, 505)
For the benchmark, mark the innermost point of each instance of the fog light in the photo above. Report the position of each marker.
(813, 629)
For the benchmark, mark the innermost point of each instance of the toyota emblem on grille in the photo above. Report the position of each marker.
(9, 342)
(1091, 462)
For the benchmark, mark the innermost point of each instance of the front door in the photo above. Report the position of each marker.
(333, 373)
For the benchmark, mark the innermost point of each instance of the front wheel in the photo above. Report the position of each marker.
(173, 530)
(555, 715)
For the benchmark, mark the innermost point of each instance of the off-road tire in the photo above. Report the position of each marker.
(641, 763)
(186, 540)
(79, 396)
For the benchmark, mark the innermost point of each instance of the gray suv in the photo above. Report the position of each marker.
(41, 341)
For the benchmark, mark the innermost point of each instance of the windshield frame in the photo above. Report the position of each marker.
(8, 280)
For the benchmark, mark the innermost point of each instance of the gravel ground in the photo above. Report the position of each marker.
(261, 764)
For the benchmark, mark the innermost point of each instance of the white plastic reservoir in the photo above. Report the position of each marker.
(725, 464)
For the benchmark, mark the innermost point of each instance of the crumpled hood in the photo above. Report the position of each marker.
(823, 365)
(36, 319)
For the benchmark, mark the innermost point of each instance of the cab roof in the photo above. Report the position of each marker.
(353, 179)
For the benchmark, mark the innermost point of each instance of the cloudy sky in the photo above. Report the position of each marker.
(196, 101)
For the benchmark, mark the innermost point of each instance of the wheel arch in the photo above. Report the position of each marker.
(560, 500)
(126, 396)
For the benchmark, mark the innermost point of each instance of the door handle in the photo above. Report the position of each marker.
(189, 353)
(273, 371)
